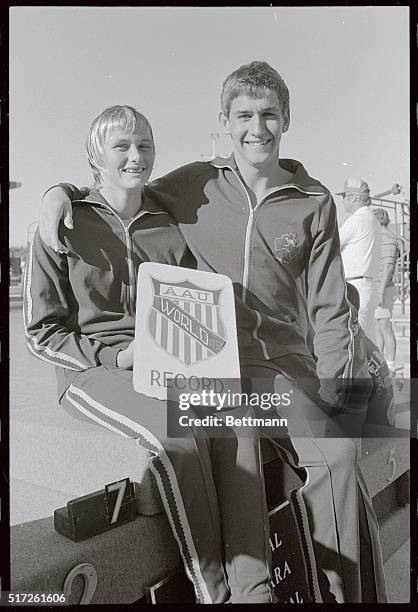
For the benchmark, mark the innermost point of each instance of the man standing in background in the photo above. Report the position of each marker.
(385, 338)
(360, 237)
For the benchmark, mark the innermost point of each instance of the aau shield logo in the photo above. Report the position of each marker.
(185, 321)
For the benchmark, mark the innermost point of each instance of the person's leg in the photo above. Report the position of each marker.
(260, 377)
(238, 475)
(331, 498)
(368, 293)
(331, 495)
(336, 481)
(190, 473)
(328, 462)
(389, 342)
(380, 339)
(181, 467)
(369, 531)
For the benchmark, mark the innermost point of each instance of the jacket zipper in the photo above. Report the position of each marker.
(132, 280)
(248, 230)
(247, 239)
(131, 289)
(247, 244)
(246, 271)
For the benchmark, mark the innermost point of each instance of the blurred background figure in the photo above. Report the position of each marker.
(360, 237)
(387, 291)
(380, 402)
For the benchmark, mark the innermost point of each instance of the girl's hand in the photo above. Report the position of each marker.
(125, 358)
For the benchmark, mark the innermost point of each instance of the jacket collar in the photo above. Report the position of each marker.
(300, 181)
(95, 197)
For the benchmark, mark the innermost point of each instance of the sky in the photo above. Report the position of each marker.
(347, 69)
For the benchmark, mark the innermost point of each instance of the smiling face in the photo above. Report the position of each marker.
(256, 126)
(127, 159)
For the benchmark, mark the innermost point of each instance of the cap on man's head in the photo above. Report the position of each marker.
(354, 185)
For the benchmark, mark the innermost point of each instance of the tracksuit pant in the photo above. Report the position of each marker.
(338, 502)
(212, 488)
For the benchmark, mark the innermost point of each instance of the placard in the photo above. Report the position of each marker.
(185, 328)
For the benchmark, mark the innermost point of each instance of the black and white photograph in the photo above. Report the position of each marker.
(209, 305)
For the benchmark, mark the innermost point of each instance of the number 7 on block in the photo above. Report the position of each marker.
(120, 487)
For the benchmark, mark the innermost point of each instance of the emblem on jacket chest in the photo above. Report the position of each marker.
(287, 247)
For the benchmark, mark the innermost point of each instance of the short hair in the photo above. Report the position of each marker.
(123, 118)
(382, 216)
(252, 80)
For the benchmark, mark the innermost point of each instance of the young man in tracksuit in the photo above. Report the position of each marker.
(80, 316)
(270, 227)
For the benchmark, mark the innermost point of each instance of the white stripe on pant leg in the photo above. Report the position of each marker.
(170, 471)
(163, 496)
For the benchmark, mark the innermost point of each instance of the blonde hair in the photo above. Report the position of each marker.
(123, 118)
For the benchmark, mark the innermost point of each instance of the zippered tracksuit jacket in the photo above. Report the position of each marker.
(283, 257)
(79, 312)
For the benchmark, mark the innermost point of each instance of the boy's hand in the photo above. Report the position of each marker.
(55, 204)
(125, 358)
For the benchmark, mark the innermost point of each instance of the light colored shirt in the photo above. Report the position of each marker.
(360, 237)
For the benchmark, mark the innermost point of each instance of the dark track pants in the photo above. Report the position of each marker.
(212, 489)
(336, 489)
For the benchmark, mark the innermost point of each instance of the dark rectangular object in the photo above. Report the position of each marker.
(97, 512)
(174, 588)
(280, 478)
(288, 563)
